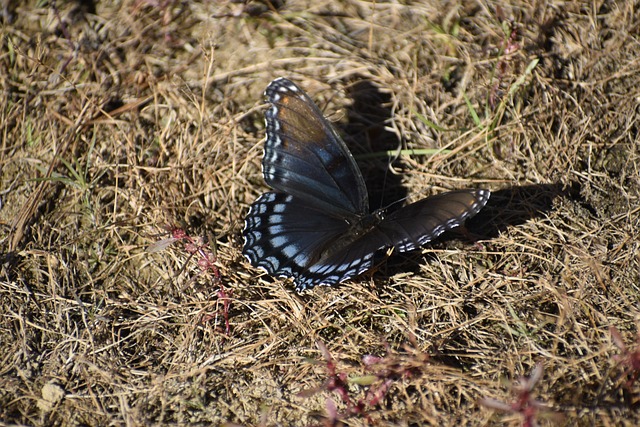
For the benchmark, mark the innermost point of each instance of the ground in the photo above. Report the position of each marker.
(132, 137)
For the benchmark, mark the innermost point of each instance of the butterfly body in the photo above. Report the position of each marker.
(317, 227)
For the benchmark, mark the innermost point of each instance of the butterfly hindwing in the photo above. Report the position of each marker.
(288, 238)
(414, 225)
(406, 229)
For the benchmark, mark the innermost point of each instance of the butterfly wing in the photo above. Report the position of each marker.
(287, 237)
(414, 225)
(306, 158)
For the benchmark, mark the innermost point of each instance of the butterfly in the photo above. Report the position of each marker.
(316, 226)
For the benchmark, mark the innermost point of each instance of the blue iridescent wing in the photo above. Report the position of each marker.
(289, 238)
(304, 156)
(416, 224)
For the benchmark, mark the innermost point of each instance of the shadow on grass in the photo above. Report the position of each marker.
(511, 207)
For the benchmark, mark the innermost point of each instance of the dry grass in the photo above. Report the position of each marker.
(121, 119)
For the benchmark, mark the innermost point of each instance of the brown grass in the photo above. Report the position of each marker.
(121, 121)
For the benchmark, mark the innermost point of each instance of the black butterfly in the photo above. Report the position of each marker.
(316, 226)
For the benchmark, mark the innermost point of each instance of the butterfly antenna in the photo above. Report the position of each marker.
(383, 191)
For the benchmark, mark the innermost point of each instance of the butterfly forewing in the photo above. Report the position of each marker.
(305, 157)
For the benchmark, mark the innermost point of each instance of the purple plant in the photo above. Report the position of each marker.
(510, 44)
(206, 262)
(524, 404)
(629, 359)
(383, 372)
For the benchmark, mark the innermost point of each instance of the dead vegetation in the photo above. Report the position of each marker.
(130, 125)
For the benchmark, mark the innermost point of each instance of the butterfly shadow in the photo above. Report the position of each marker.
(365, 134)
